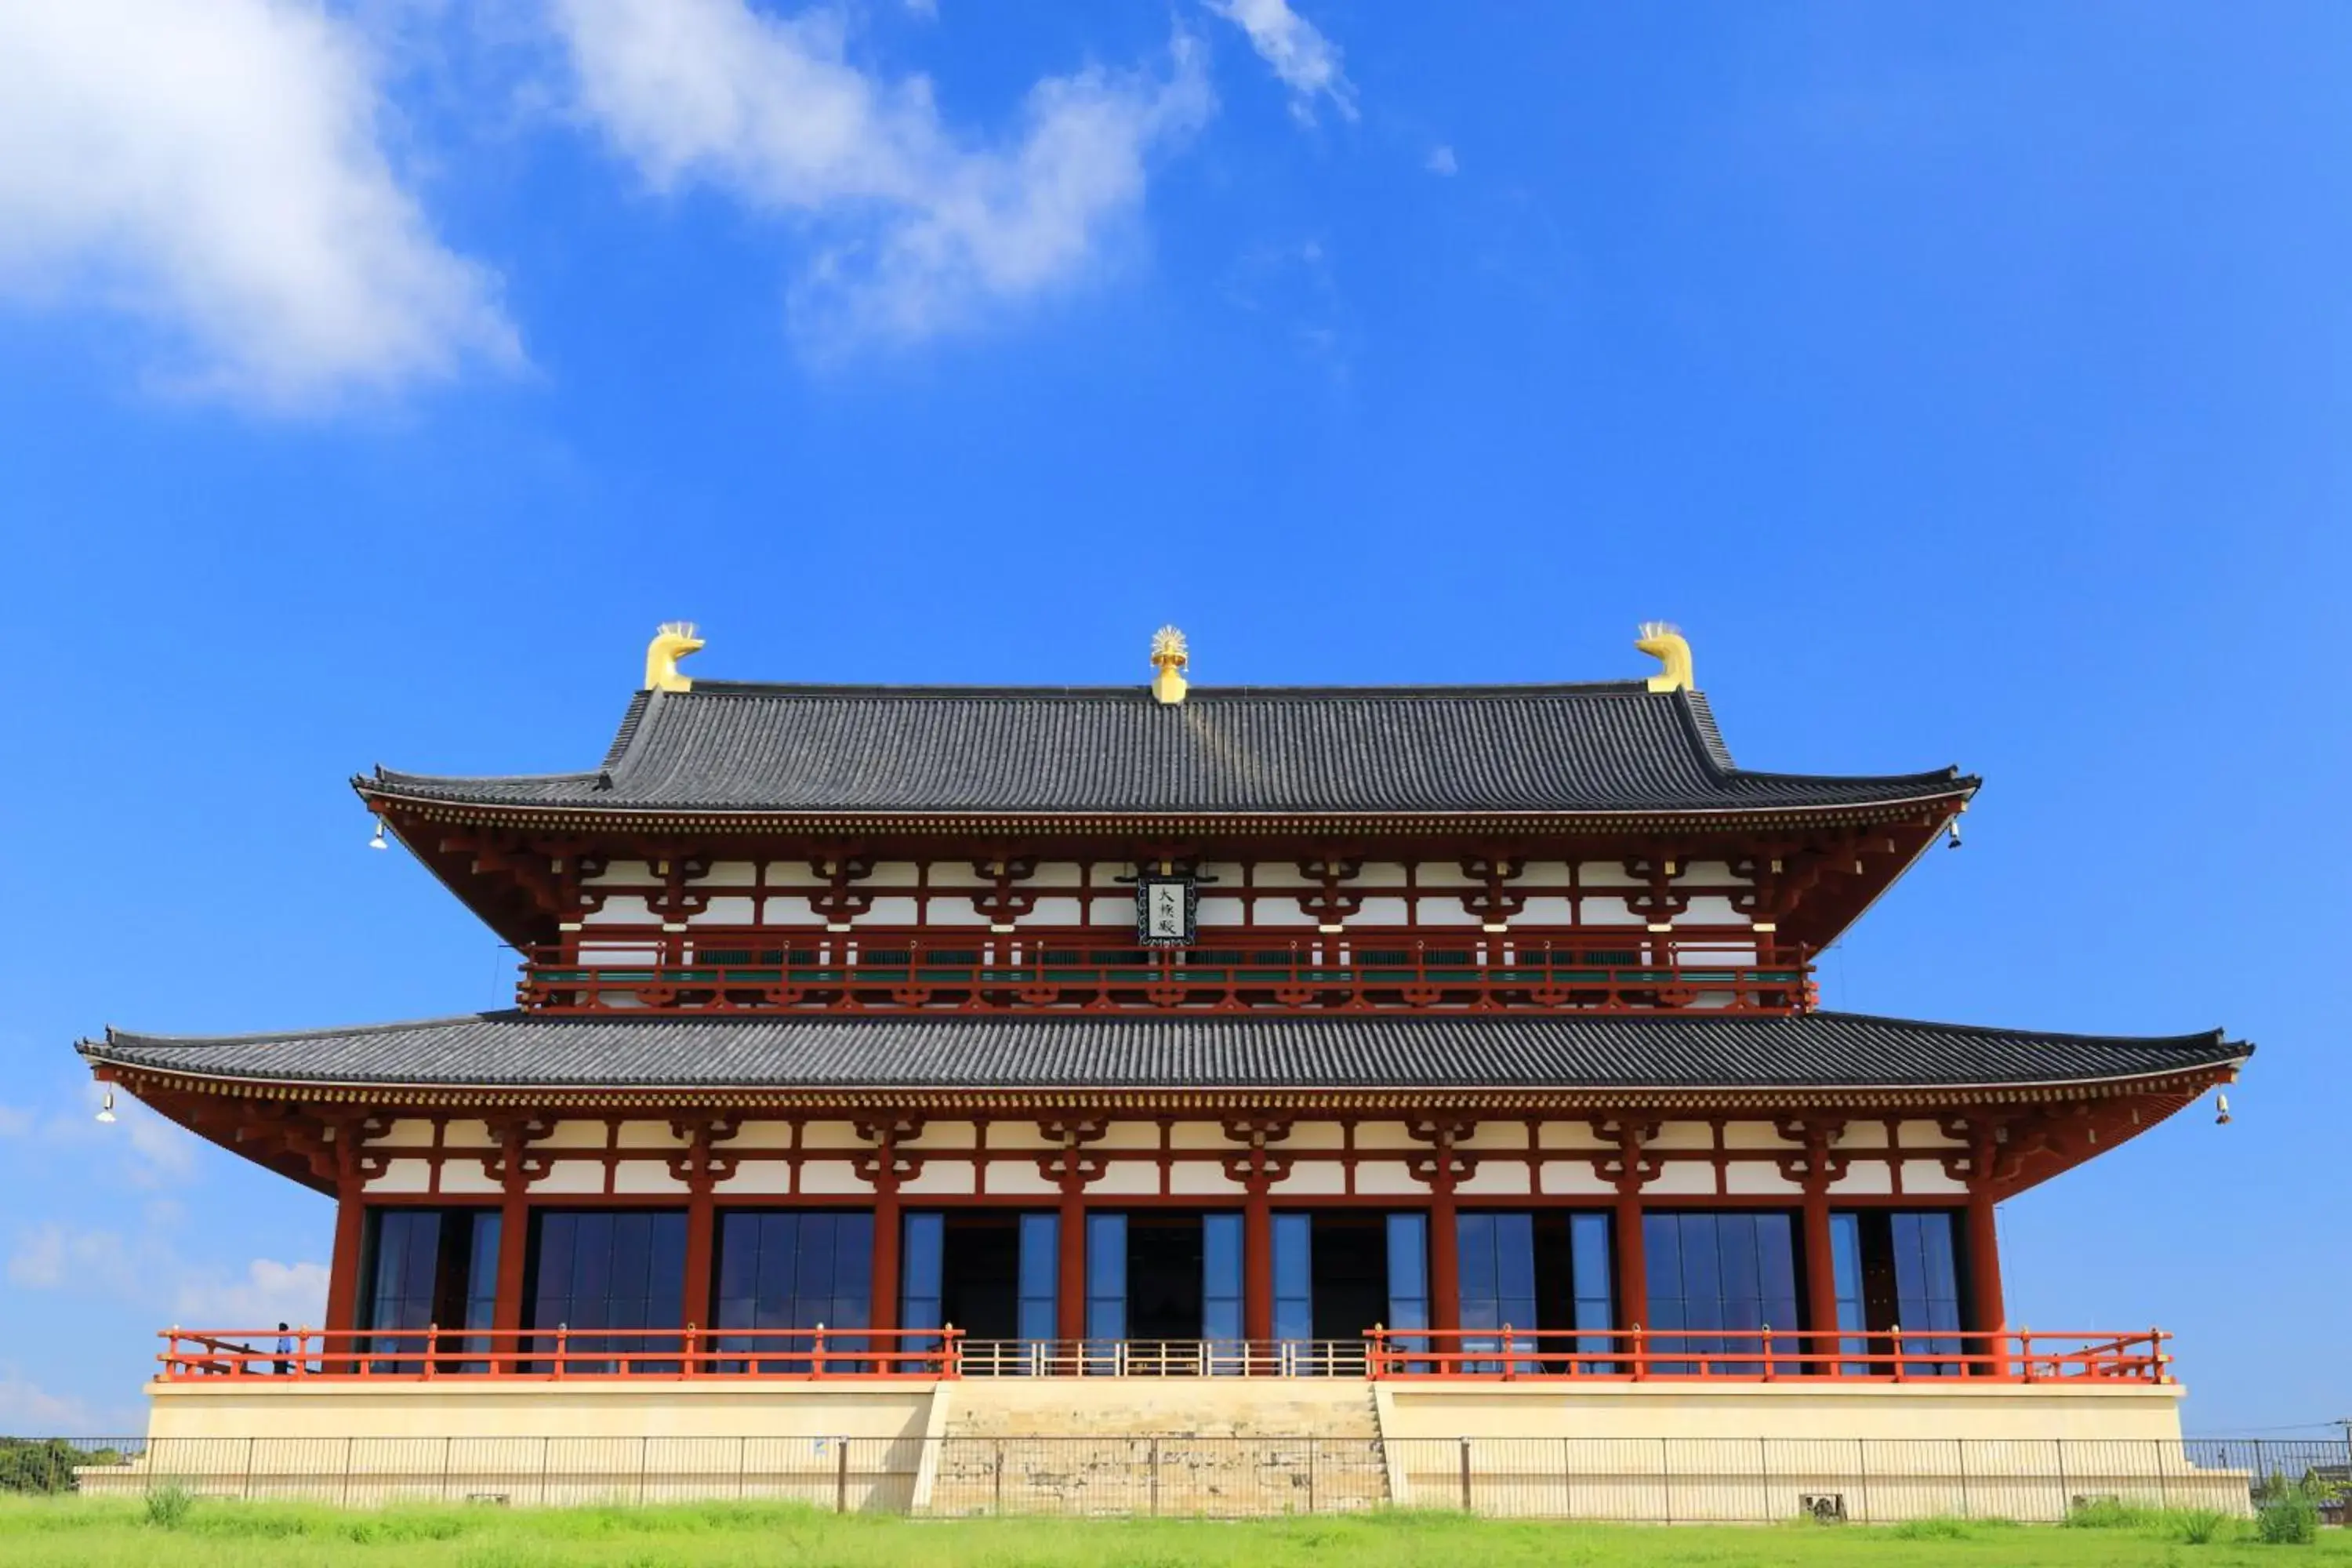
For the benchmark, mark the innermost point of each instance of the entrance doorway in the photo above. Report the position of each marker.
(1337, 1273)
(993, 1273)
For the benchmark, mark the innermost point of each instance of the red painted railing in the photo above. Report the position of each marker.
(557, 1355)
(1766, 1355)
(612, 969)
(1505, 1355)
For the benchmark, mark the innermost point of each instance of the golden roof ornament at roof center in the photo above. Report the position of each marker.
(1168, 657)
(1663, 641)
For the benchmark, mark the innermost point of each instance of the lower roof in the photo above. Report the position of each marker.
(1082, 1052)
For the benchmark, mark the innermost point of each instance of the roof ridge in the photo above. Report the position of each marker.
(120, 1037)
(2215, 1035)
(1141, 692)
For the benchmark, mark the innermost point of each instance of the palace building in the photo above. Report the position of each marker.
(873, 1044)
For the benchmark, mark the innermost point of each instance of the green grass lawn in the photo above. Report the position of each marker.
(36, 1532)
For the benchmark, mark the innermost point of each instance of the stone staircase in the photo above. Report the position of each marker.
(1193, 1446)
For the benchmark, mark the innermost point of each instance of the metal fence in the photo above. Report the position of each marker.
(1671, 1480)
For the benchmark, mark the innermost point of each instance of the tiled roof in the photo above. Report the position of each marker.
(1083, 1052)
(1611, 748)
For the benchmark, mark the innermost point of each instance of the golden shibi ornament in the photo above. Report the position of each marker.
(1170, 655)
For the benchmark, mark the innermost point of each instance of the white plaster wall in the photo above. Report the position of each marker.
(942, 1178)
(568, 1177)
(464, 1178)
(1314, 1178)
(1018, 1178)
(758, 1178)
(1573, 1178)
(1198, 1135)
(1926, 1178)
(833, 1177)
(1496, 1178)
(404, 1176)
(1201, 1178)
(646, 1176)
(1127, 1178)
(1683, 1178)
(1757, 1178)
(1387, 1178)
(1865, 1177)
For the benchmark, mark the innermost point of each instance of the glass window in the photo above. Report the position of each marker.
(1715, 1282)
(1497, 1255)
(1593, 1285)
(1106, 1277)
(1293, 1277)
(1041, 1263)
(607, 1276)
(793, 1269)
(1897, 1269)
(1221, 1277)
(1409, 1279)
(920, 1276)
(426, 1268)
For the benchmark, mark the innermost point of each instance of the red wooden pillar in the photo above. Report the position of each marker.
(1444, 1253)
(514, 1245)
(701, 1226)
(1070, 1290)
(883, 1311)
(1633, 1258)
(1258, 1263)
(343, 1272)
(1987, 1313)
(1821, 1267)
(1632, 1252)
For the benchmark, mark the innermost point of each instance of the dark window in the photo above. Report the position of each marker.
(1897, 1269)
(1549, 1270)
(605, 1277)
(787, 1269)
(1041, 1262)
(1221, 1277)
(1716, 1281)
(426, 1269)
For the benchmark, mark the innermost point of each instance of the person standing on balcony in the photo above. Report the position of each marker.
(285, 1348)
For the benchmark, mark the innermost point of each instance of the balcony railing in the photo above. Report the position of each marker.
(557, 1355)
(766, 970)
(1765, 1355)
(1491, 1355)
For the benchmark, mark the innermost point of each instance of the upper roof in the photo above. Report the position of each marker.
(1085, 1052)
(1607, 748)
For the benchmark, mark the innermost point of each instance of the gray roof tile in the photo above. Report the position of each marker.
(1545, 749)
(1030, 1052)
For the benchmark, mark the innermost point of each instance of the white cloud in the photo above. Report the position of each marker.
(27, 1409)
(148, 1270)
(271, 1292)
(919, 230)
(1306, 61)
(51, 1258)
(1441, 161)
(216, 171)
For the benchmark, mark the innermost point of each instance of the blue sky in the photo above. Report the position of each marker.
(1972, 385)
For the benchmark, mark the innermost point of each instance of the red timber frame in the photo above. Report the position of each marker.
(1990, 1149)
(1796, 879)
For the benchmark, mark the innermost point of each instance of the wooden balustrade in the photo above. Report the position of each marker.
(1510, 1354)
(1506, 1354)
(618, 970)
